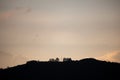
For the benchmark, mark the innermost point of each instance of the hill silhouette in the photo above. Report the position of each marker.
(85, 69)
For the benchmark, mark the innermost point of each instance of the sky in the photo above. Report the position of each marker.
(43, 29)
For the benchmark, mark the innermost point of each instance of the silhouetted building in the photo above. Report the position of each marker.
(52, 60)
(67, 59)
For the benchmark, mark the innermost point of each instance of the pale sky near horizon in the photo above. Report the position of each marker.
(43, 29)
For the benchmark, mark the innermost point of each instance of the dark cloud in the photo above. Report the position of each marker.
(28, 10)
(24, 9)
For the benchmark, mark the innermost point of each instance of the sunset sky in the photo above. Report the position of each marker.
(43, 29)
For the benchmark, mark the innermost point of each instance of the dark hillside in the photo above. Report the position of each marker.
(85, 69)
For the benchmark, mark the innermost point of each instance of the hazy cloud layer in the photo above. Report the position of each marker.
(7, 59)
(8, 14)
(41, 29)
(113, 57)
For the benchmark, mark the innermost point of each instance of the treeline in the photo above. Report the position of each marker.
(85, 69)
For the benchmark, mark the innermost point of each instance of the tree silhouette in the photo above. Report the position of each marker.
(57, 59)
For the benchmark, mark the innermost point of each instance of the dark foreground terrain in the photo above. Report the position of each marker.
(85, 69)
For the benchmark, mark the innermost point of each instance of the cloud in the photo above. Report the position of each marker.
(14, 12)
(114, 56)
(6, 15)
(28, 10)
(7, 59)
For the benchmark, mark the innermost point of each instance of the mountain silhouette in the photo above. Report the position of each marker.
(85, 69)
